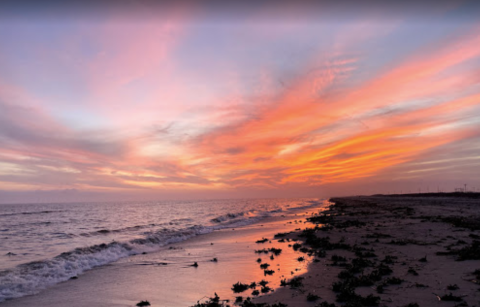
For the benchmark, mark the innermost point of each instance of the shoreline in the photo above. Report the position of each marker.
(167, 277)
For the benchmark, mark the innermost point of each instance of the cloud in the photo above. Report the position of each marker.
(331, 119)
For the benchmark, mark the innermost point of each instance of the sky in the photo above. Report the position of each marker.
(147, 100)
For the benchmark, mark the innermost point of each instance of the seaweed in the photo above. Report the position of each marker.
(470, 252)
(143, 303)
(260, 251)
(394, 280)
(296, 246)
(312, 297)
(472, 223)
(280, 235)
(389, 259)
(263, 240)
(266, 289)
(268, 272)
(275, 251)
(337, 258)
(450, 297)
(294, 283)
(239, 287)
(212, 302)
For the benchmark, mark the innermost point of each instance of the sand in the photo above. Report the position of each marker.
(411, 231)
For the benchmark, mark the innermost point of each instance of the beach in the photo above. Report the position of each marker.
(402, 250)
(392, 251)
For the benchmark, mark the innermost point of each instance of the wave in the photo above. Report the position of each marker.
(29, 213)
(233, 216)
(119, 230)
(30, 278)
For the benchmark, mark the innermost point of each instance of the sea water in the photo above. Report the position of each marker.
(44, 244)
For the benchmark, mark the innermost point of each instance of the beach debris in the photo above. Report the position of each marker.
(259, 260)
(337, 258)
(312, 297)
(452, 287)
(271, 257)
(477, 276)
(212, 302)
(264, 265)
(238, 299)
(268, 272)
(294, 283)
(248, 303)
(253, 285)
(300, 259)
(389, 259)
(296, 246)
(265, 289)
(377, 235)
(275, 251)
(239, 287)
(73, 277)
(260, 251)
(214, 260)
(326, 304)
(281, 235)
(10, 254)
(352, 299)
(255, 292)
(143, 303)
(412, 305)
(195, 264)
(424, 259)
(263, 240)
(412, 271)
(394, 280)
(450, 297)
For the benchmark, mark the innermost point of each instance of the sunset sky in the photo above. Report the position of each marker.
(139, 100)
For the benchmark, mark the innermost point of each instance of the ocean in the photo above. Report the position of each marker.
(44, 244)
